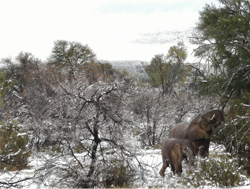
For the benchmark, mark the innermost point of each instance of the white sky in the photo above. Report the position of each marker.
(113, 29)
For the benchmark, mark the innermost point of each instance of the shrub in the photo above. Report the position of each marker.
(13, 142)
(234, 134)
(214, 172)
(5, 85)
(118, 174)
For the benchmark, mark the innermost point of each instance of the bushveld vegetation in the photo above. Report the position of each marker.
(87, 120)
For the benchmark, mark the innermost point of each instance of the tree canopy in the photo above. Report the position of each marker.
(222, 35)
(71, 54)
(166, 71)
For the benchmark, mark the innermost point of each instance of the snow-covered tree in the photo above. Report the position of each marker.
(85, 128)
(154, 115)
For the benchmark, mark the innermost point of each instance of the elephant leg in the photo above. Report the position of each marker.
(164, 166)
(205, 152)
(173, 169)
(176, 159)
(178, 167)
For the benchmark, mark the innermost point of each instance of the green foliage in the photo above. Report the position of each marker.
(235, 133)
(211, 86)
(71, 54)
(5, 85)
(13, 145)
(212, 172)
(166, 71)
(157, 71)
(66, 57)
(24, 71)
(222, 35)
(177, 53)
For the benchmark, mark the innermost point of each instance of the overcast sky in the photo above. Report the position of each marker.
(113, 29)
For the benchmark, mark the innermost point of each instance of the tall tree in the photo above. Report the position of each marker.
(222, 35)
(157, 71)
(23, 70)
(176, 71)
(166, 71)
(71, 54)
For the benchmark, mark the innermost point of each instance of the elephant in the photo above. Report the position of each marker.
(173, 151)
(198, 130)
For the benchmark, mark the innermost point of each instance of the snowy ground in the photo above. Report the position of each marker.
(153, 158)
(150, 157)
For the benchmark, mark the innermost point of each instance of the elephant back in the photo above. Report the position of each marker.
(179, 130)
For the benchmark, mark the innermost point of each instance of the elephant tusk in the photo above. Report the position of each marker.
(212, 117)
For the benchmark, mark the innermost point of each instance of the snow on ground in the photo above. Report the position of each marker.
(151, 159)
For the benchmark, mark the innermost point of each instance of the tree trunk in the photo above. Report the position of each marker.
(90, 181)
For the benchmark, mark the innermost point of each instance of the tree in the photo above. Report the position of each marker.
(83, 118)
(29, 79)
(156, 71)
(178, 71)
(151, 111)
(154, 115)
(68, 57)
(13, 146)
(166, 71)
(70, 54)
(223, 38)
(14, 150)
(23, 70)
(5, 85)
(97, 70)
(222, 35)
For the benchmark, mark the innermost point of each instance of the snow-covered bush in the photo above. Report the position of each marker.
(117, 173)
(78, 126)
(13, 143)
(154, 115)
(217, 172)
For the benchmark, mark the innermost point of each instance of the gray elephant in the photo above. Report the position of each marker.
(198, 130)
(173, 151)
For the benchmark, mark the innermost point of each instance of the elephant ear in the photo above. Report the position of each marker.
(207, 121)
(194, 132)
(177, 150)
(200, 122)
